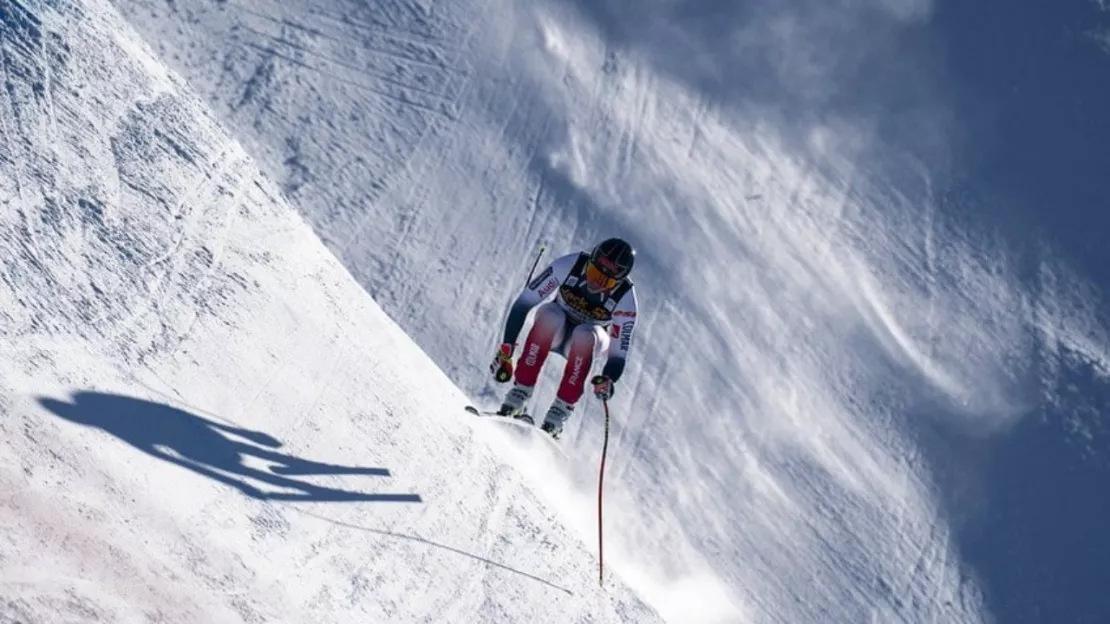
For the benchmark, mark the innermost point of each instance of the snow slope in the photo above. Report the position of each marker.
(204, 418)
(813, 302)
(814, 306)
(815, 309)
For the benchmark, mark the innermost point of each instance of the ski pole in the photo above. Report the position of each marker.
(600, 480)
(535, 264)
(502, 376)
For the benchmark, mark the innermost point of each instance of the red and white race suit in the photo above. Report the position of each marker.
(575, 321)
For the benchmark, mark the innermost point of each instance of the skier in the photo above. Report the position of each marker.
(587, 308)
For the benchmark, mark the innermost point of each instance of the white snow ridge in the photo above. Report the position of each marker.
(256, 255)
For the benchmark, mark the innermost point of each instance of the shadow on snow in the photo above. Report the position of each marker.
(1017, 110)
(1029, 506)
(215, 450)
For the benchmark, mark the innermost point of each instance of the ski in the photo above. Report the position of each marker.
(525, 423)
(480, 412)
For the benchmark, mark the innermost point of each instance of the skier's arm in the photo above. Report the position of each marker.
(541, 288)
(620, 335)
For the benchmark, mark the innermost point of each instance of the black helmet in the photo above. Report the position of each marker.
(614, 257)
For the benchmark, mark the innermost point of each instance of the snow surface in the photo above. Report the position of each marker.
(190, 275)
(162, 302)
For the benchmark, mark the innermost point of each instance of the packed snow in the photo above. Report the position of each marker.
(163, 302)
(272, 245)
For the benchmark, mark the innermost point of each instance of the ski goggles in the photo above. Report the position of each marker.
(597, 279)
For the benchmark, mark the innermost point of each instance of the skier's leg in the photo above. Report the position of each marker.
(547, 329)
(587, 342)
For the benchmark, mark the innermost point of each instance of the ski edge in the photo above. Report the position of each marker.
(555, 444)
(493, 414)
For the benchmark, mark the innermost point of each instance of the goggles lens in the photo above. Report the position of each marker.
(597, 279)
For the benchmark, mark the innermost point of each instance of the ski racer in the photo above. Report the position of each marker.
(586, 309)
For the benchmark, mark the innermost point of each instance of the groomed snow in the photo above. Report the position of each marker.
(809, 309)
(205, 419)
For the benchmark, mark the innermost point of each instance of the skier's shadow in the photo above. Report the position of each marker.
(215, 450)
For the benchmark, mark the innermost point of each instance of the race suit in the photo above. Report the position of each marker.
(576, 323)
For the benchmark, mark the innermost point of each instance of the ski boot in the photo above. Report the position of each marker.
(514, 403)
(557, 414)
(552, 429)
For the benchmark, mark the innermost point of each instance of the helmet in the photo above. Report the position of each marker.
(613, 257)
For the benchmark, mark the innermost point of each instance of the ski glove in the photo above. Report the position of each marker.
(502, 365)
(603, 387)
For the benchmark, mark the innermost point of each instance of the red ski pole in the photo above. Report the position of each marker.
(600, 481)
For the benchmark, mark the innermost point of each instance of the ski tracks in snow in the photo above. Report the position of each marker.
(163, 227)
(94, 236)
